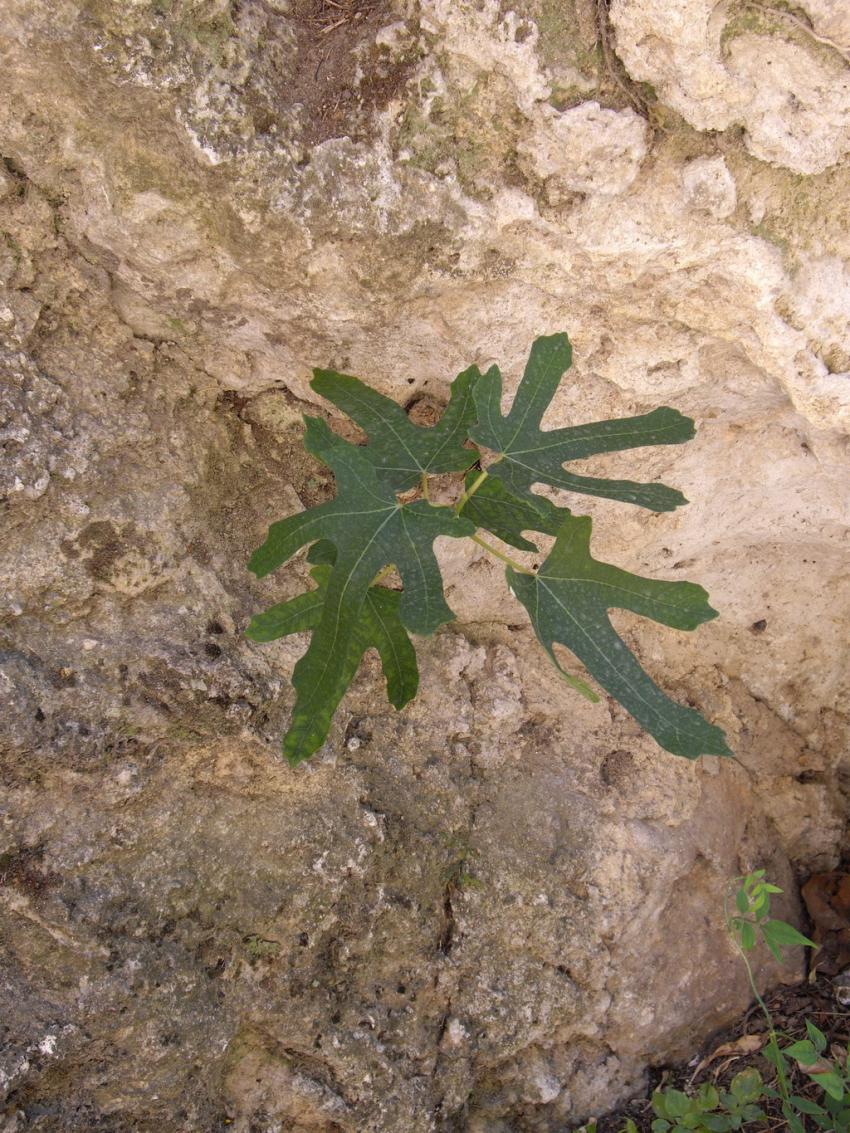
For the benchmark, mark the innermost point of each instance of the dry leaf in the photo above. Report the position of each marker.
(746, 1044)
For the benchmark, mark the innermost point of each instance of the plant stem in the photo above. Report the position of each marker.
(771, 1030)
(505, 558)
(470, 491)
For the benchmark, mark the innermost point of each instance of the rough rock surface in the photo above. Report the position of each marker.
(783, 78)
(492, 911)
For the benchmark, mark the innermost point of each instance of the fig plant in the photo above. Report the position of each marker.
(382, 518)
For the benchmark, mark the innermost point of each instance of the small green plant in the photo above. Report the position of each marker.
(710, 1110)
(750, 923)
(382, 519)
(716, 1110)
(713, 1110)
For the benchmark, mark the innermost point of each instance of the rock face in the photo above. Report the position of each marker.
(494, 910)
(784, 79)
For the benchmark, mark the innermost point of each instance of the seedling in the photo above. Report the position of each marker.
(712, 1109)
(382, 518)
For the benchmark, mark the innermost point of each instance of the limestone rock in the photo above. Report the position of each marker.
(709, 186)
(590, 150)
(496, 908)
(748, 65)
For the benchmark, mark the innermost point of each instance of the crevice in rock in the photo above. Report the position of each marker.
(615, 67)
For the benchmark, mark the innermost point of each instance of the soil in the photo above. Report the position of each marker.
(340, 76)
(790, 1007)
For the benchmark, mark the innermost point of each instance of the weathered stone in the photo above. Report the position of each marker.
(493, 909)
(746, 64)
(709, 186)
(589, 149)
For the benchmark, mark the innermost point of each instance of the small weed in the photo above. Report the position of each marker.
(808, 1066)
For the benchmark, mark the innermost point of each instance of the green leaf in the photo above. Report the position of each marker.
(751, 1112)
(378, 627)
(747, 1086)
(677, 1103)
(369, 529)
(831, 1083)
(816, 1035)
(775, 1056)
(716, 1122)
(660, 1125)
(831, 1123)
(802, 1052)
(707, 1096)
(568, 602)
(401, 451)
(779, 935)
(530, 456)
(497, 510)
(741, 901)
(805, 1106)
(748, 936)
(659, 1104)
(794, 1122)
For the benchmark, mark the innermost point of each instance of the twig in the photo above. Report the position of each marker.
(612, 62)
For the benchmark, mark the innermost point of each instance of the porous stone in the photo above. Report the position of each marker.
(496, 908)
(747, 64)
(709, 186)
(590, 150)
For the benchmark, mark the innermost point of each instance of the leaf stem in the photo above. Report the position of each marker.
(773, 1042)
(424, 482)
(773, 1039)
(505, 558)
(470, 491)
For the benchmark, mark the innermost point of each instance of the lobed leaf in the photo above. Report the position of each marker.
(497, 510)
(528, 455)
(401, 451)
(369, 529)
(378, 626)
(568, 602)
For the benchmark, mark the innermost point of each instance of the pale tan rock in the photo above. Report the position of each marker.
(716, 67)
(589, 150)
(831, 18)
(497, 907)
(709, 186)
